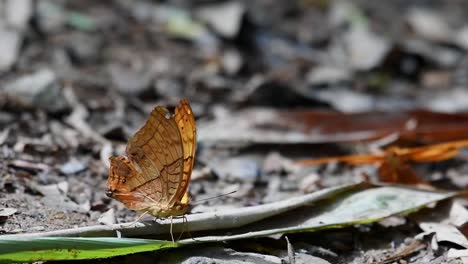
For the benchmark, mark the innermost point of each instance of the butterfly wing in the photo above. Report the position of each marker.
(121, 172)
(156, 152)
(186, 124)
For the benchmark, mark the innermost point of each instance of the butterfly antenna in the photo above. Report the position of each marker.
(211, 198)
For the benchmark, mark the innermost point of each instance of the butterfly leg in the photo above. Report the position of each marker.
(172, 234)
(136, 221)
(185, 223)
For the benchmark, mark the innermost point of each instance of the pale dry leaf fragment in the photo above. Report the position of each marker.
(321, 75)
(5, 212)
(10, 42)
(4, 135)
(55, 196)
(72, 166)
(243, 168)
(458, 214)
(29, 165)
(461, 37)
(355, 101)
(429, 24)
(302, 258)
(462, 254)
(18, 13)
(85, 206)
(310, 182)
(448, 101)
(105, 153)
(457, 178)
(434, 243)
(204, 173)
(38, 228)
(365, 48)
(437, 79)
(38, 89)
(58, 189)
(225, 18)
(108, 217)
(232, 61)
(273, 163)
(444, 232)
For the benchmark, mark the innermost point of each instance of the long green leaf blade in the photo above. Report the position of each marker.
(67, 248)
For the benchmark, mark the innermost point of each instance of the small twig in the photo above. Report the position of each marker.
(291, 256)
(377, 145)
(414, 246)
(28, 165)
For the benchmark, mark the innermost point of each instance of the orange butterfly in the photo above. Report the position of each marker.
(153, 175)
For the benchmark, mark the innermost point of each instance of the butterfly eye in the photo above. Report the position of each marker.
(124, 180)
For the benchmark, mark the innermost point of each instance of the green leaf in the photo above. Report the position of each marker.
(355, 206)
(65, 248)
(329, 208)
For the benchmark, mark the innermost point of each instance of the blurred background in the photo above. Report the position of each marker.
(78, 78)
(344, 55)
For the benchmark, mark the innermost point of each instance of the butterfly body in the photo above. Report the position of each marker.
(154, 173)
(179, 208)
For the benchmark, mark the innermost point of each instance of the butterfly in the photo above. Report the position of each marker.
(154, 173)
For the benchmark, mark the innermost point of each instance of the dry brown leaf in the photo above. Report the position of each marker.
(411, 126)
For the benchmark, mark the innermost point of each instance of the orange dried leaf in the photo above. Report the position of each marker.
(394, 163)
(436, 152)
(351, 159)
